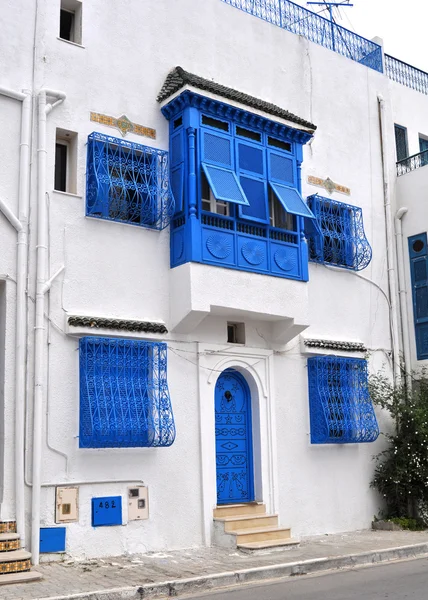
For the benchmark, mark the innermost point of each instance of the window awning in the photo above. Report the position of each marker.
(225, 185)
(291, 200)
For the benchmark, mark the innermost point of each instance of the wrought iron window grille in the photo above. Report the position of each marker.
(124, 397)
(317, 29)
(341, 411)
(412, 163)
(339, 238)
(128, 182)
(401, 144)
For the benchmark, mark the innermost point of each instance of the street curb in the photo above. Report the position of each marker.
(215, 581)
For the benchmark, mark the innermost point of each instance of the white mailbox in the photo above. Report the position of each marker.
(138, 503)
(66, 510)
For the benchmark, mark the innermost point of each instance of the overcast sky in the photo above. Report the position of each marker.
(401, 23)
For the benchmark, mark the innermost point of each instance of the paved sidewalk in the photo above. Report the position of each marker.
(170, 573)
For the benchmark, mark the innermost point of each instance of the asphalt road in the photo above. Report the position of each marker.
(395, 581)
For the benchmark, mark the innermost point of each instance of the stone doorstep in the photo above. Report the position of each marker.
(24, 577)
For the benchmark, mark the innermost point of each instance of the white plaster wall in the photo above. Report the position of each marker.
(122, 271)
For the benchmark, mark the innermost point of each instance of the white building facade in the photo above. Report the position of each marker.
(198, 270)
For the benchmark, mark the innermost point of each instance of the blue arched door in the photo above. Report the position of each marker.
(234, 444)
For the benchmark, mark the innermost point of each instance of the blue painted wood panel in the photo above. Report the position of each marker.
(233, 430)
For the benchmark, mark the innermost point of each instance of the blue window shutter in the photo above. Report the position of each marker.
(124, 398)
(419, 275)
(281, 168)
(341, 411)
(256, 193)
(217, 149)
(251, 159)
(291, 200)
(224, 184)
(177, 186)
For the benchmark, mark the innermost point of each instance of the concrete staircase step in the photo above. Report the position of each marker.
(8, 537)
(249, 522)
(268, 545)
(261, 534)
(229, 510)
(16, 555)
(24, 577)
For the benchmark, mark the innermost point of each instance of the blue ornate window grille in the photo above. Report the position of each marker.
(128, 182)
(124, 397)
(315, 28)
(418, 253)
(405, 74)
(236, 179)
(341, 411)
(339, 238)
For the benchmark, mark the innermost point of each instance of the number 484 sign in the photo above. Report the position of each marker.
(106, 511)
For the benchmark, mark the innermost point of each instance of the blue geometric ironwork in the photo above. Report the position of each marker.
(412, 163)
(128, 182)
(299, 20)
(341, 411)
(124, 398)
(231, 159)
(233, 433)
(405, 74)
(418, 252)
(340, 239)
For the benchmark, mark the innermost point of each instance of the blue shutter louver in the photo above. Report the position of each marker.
(128, 182)
(124, 398)
(224, 184)
(419, 275)
(340, 239)
(341, 411)
(291, 200)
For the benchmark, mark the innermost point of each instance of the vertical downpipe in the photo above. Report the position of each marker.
(39, 326)
(21, 313)
(392, 284)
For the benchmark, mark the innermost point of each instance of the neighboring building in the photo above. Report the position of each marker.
(184, 313)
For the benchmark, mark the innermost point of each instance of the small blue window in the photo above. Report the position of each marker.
(341, 411)
(338, 238)
(124, 397)
(128, 182)
(419, 273)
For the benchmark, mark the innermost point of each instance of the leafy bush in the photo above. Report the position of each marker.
(401, 473)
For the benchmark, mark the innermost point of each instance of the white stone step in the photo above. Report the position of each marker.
(260, 534)
(248, 522)
(14, 556)
(24, 577)
(9, 537)
(269, 544)
(229, 510)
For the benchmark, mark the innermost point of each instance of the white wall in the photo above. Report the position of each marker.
(119, 270)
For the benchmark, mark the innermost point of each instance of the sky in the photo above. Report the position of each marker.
(400, 23)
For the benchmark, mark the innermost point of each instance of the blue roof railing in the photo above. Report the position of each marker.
(401, 72)
(317, 29)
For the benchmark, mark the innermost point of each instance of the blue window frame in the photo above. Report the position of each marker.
(236, 181)
(401, 144)
(341, 411)
(338, 237)
(124, 397)
(129, 182)
(419, 273)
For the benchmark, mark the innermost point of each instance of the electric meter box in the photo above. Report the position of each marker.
(67, 508)
(138, 503)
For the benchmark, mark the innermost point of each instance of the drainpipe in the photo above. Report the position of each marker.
(42, 286)
(392, 283)
(20, 223)
(402, 291)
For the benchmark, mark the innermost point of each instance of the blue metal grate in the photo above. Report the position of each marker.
(299, 20)
(128, 182)
(124, 398)
(340, 240)
(405, 74)
(341, 411)
(281, 168)
(217, 149)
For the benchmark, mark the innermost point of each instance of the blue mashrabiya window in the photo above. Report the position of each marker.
(341, 410)
(254, 172)
(337, 236)
(127, 182)
(124, 397)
